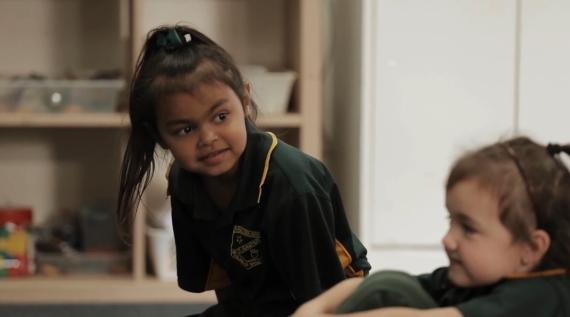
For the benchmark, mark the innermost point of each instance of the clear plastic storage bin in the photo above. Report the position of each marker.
(60, 95)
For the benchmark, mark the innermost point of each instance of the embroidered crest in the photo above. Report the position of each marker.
(246, 247)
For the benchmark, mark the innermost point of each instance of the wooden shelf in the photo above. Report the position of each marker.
(96, 289)
(112, 120)
(63, 120)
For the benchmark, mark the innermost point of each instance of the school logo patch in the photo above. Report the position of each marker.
(246, 247)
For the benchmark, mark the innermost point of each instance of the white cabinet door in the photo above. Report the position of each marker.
(438, 79)
(545, 70)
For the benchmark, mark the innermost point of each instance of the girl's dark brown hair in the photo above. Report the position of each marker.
(533, 187)
(173, 59)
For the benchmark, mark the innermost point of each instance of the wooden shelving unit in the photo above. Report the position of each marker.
(58, 145)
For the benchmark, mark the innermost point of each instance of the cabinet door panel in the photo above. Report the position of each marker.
(545, 70)
(440, 82)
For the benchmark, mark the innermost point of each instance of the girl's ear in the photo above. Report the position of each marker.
(535, 251)
(247, 92)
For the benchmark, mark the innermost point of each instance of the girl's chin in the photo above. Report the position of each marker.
(456, 276)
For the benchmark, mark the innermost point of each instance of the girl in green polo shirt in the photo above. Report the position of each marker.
(508, 245)
(254, 219)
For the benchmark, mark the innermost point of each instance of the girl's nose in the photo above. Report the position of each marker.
(207, 137)
(448, 241)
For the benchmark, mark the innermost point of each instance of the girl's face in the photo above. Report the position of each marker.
(205, 131)
(480, 248)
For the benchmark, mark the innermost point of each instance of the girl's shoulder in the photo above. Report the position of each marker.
(529, 297)
(292, 160)
(559, 284)
(299, 170)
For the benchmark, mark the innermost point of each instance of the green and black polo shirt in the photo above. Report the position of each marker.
(283, 240)
(544, 295)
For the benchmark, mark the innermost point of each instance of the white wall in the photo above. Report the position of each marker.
(545, 70)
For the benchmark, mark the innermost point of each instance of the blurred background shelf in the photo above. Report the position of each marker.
(63, 120)
(114, 120)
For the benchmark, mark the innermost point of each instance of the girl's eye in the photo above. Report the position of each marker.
(184, 130)
(220, 117)
(467, 229)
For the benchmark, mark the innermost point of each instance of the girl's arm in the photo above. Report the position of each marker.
(328, 301)
(315, 310)
(405, 312)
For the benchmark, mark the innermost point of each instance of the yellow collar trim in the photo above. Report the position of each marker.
(552, 272)
(266, 165)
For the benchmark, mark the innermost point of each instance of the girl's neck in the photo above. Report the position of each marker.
(221, 188)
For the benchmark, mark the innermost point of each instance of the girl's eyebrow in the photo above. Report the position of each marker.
(176, 122)
(216, 105)
(462, 218)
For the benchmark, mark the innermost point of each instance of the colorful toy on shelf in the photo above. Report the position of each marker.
(15, 242)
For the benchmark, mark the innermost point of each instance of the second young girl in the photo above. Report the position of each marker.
(508, 245)
(254, 219)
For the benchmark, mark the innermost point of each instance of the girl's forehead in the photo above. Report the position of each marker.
(204, 91)
(472, 192)
(203, 98)
(181, 80)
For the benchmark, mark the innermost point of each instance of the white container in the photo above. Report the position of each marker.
(162, 252)
(271, 90)
(60, 95)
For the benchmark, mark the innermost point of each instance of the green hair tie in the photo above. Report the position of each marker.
(170, 40)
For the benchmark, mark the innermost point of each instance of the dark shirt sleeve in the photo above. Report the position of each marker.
(302, 244)
(359, 265)
(192, 262)
(435, 284)
(522, 298)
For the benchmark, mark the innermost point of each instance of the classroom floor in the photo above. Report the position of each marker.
(115, 310)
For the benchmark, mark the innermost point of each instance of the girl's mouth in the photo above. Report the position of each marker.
(213, 157)
(453, 261)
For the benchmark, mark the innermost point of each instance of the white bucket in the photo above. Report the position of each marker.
(162, 252)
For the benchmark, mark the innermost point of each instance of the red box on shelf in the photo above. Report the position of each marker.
(15, 241)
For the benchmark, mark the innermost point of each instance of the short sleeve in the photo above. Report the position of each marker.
(521, 298)
(303, 246)
(192, 261)
(358, 265)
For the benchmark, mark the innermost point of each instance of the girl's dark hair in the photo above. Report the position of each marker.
(533, 188)
(174, 59)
